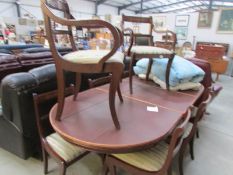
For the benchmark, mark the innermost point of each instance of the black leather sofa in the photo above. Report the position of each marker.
(29, 58)
(18, 131)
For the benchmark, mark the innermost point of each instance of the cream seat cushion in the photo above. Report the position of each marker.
(149, 50)
(148, 160)
(92, 56)
(63, 148)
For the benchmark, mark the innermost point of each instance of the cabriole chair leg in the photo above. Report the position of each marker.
(114, 85)
(78, 80)
(45, 160)
(61, 93)
(191, 148)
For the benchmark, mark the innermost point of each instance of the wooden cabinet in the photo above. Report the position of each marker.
(214, 55)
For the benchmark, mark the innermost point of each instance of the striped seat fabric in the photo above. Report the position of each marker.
(149, 160)
(93, 56)
(63, 148)
(149, 50)
(188, 130)
(194, 111)
(0, 107)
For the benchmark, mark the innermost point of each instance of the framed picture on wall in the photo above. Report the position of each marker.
(23, 21)
(205, 19)
(225, 24)
(159, 22)
(181, 33)
(182, 20)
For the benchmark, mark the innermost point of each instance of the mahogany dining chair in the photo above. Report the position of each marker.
(146, 51)
(52, 143)
(189, 135)
(154, 161)
(83, 61)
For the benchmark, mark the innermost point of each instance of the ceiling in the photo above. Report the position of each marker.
(166, 6)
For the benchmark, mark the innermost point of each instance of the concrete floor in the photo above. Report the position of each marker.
(213, 150)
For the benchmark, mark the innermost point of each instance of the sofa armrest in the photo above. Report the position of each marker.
(17, 89)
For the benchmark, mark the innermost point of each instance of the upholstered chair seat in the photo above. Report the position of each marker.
(0, 108)
(149, 160)
(149, 50)
(188, 129)
(93, 56)
(63, 148)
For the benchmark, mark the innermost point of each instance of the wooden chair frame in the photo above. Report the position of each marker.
(134, 56)
(145, 20)
(168, 33)
(114, 68)
(190, 138)
(176, 141)
(46, 148)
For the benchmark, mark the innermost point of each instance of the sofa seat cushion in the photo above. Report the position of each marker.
(93, 56)
(65, 149)
(149, 160)
(6, 59)
(32, 60)
(149, 50)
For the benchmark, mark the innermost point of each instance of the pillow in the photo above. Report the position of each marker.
(181, 86)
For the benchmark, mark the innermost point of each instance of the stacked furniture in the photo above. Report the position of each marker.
(214, 54)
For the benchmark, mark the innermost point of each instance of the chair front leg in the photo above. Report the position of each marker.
(132, 61)
(45, 160)
(114, 85)
(112, 170)
(61, 93)
(168, 70)
(181, 155)
(105, 169)
(120, 94)
(63, 168)
(78, 79)
(191, 143)
(149, 68)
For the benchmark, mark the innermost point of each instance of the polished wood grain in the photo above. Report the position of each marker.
(86, 122)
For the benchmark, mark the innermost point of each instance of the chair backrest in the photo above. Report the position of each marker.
(61, 63)
(143, 20)
(169, 39)
(42, 104)
(201, 109)
(176, 140)
(61, 6)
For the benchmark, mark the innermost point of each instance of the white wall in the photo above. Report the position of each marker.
(201, 34)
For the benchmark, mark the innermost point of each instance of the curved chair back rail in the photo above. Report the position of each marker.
(170, 39)
(50, 16)
(144, 20)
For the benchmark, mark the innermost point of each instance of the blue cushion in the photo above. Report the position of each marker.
(182, 70)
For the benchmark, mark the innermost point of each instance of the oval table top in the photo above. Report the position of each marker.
(87, 121)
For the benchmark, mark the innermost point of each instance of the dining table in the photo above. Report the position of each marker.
(146, 117)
